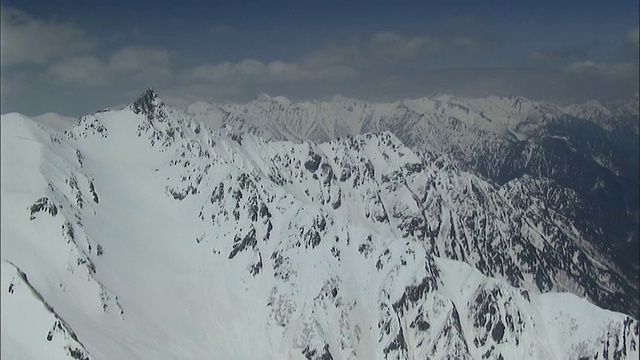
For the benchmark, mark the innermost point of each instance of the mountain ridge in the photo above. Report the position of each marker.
(306, 239)
(498, 138)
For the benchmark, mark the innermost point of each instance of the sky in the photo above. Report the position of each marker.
(76, 57)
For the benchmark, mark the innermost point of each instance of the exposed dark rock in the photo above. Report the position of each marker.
(42, 204)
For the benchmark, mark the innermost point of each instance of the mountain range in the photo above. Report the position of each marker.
(496, 228)
(590, 149)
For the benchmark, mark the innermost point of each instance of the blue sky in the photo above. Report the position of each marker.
(74, 57)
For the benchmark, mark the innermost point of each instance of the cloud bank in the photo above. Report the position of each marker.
(29, 40)
(42, 56)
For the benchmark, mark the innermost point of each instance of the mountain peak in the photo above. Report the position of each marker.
(263, 97)
(149, 104)
(339, 98)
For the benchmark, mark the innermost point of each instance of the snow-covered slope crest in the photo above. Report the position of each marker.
(36, 316)
(55, 122)
(146, 235)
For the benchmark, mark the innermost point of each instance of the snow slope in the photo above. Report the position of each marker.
(141, 233)
(55, 122)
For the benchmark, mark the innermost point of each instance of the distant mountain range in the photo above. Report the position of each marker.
(496, 228)
(590, 150)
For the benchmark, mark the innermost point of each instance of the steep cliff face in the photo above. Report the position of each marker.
(142, 233)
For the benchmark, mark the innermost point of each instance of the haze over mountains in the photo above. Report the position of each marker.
(336, 229)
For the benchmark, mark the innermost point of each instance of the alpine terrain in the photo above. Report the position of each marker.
(589, 152)
(496, 228)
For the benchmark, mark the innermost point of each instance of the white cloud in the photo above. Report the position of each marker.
(388, 47)
(392, 46)
(29, 40)
(212, 72)
(131, 58)
(633, 37)
(190, 93)
(143, 62)
(468, 44)
(344, 52)
(368, 61)
(557, 54)
(381, 47)
(81, 70)
(222, 29)
(281, 68)
(63, 49)
(335, 61)
(633, 44)
(609, 70)
(140, 64)
(250, 70)
(227, 70)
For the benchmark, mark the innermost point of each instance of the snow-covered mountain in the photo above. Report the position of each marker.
(54, 121)
(590, 149)
(142, 233)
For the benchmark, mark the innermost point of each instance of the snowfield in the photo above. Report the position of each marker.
(142, 233)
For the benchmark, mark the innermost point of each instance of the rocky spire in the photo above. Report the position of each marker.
(149, 104)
